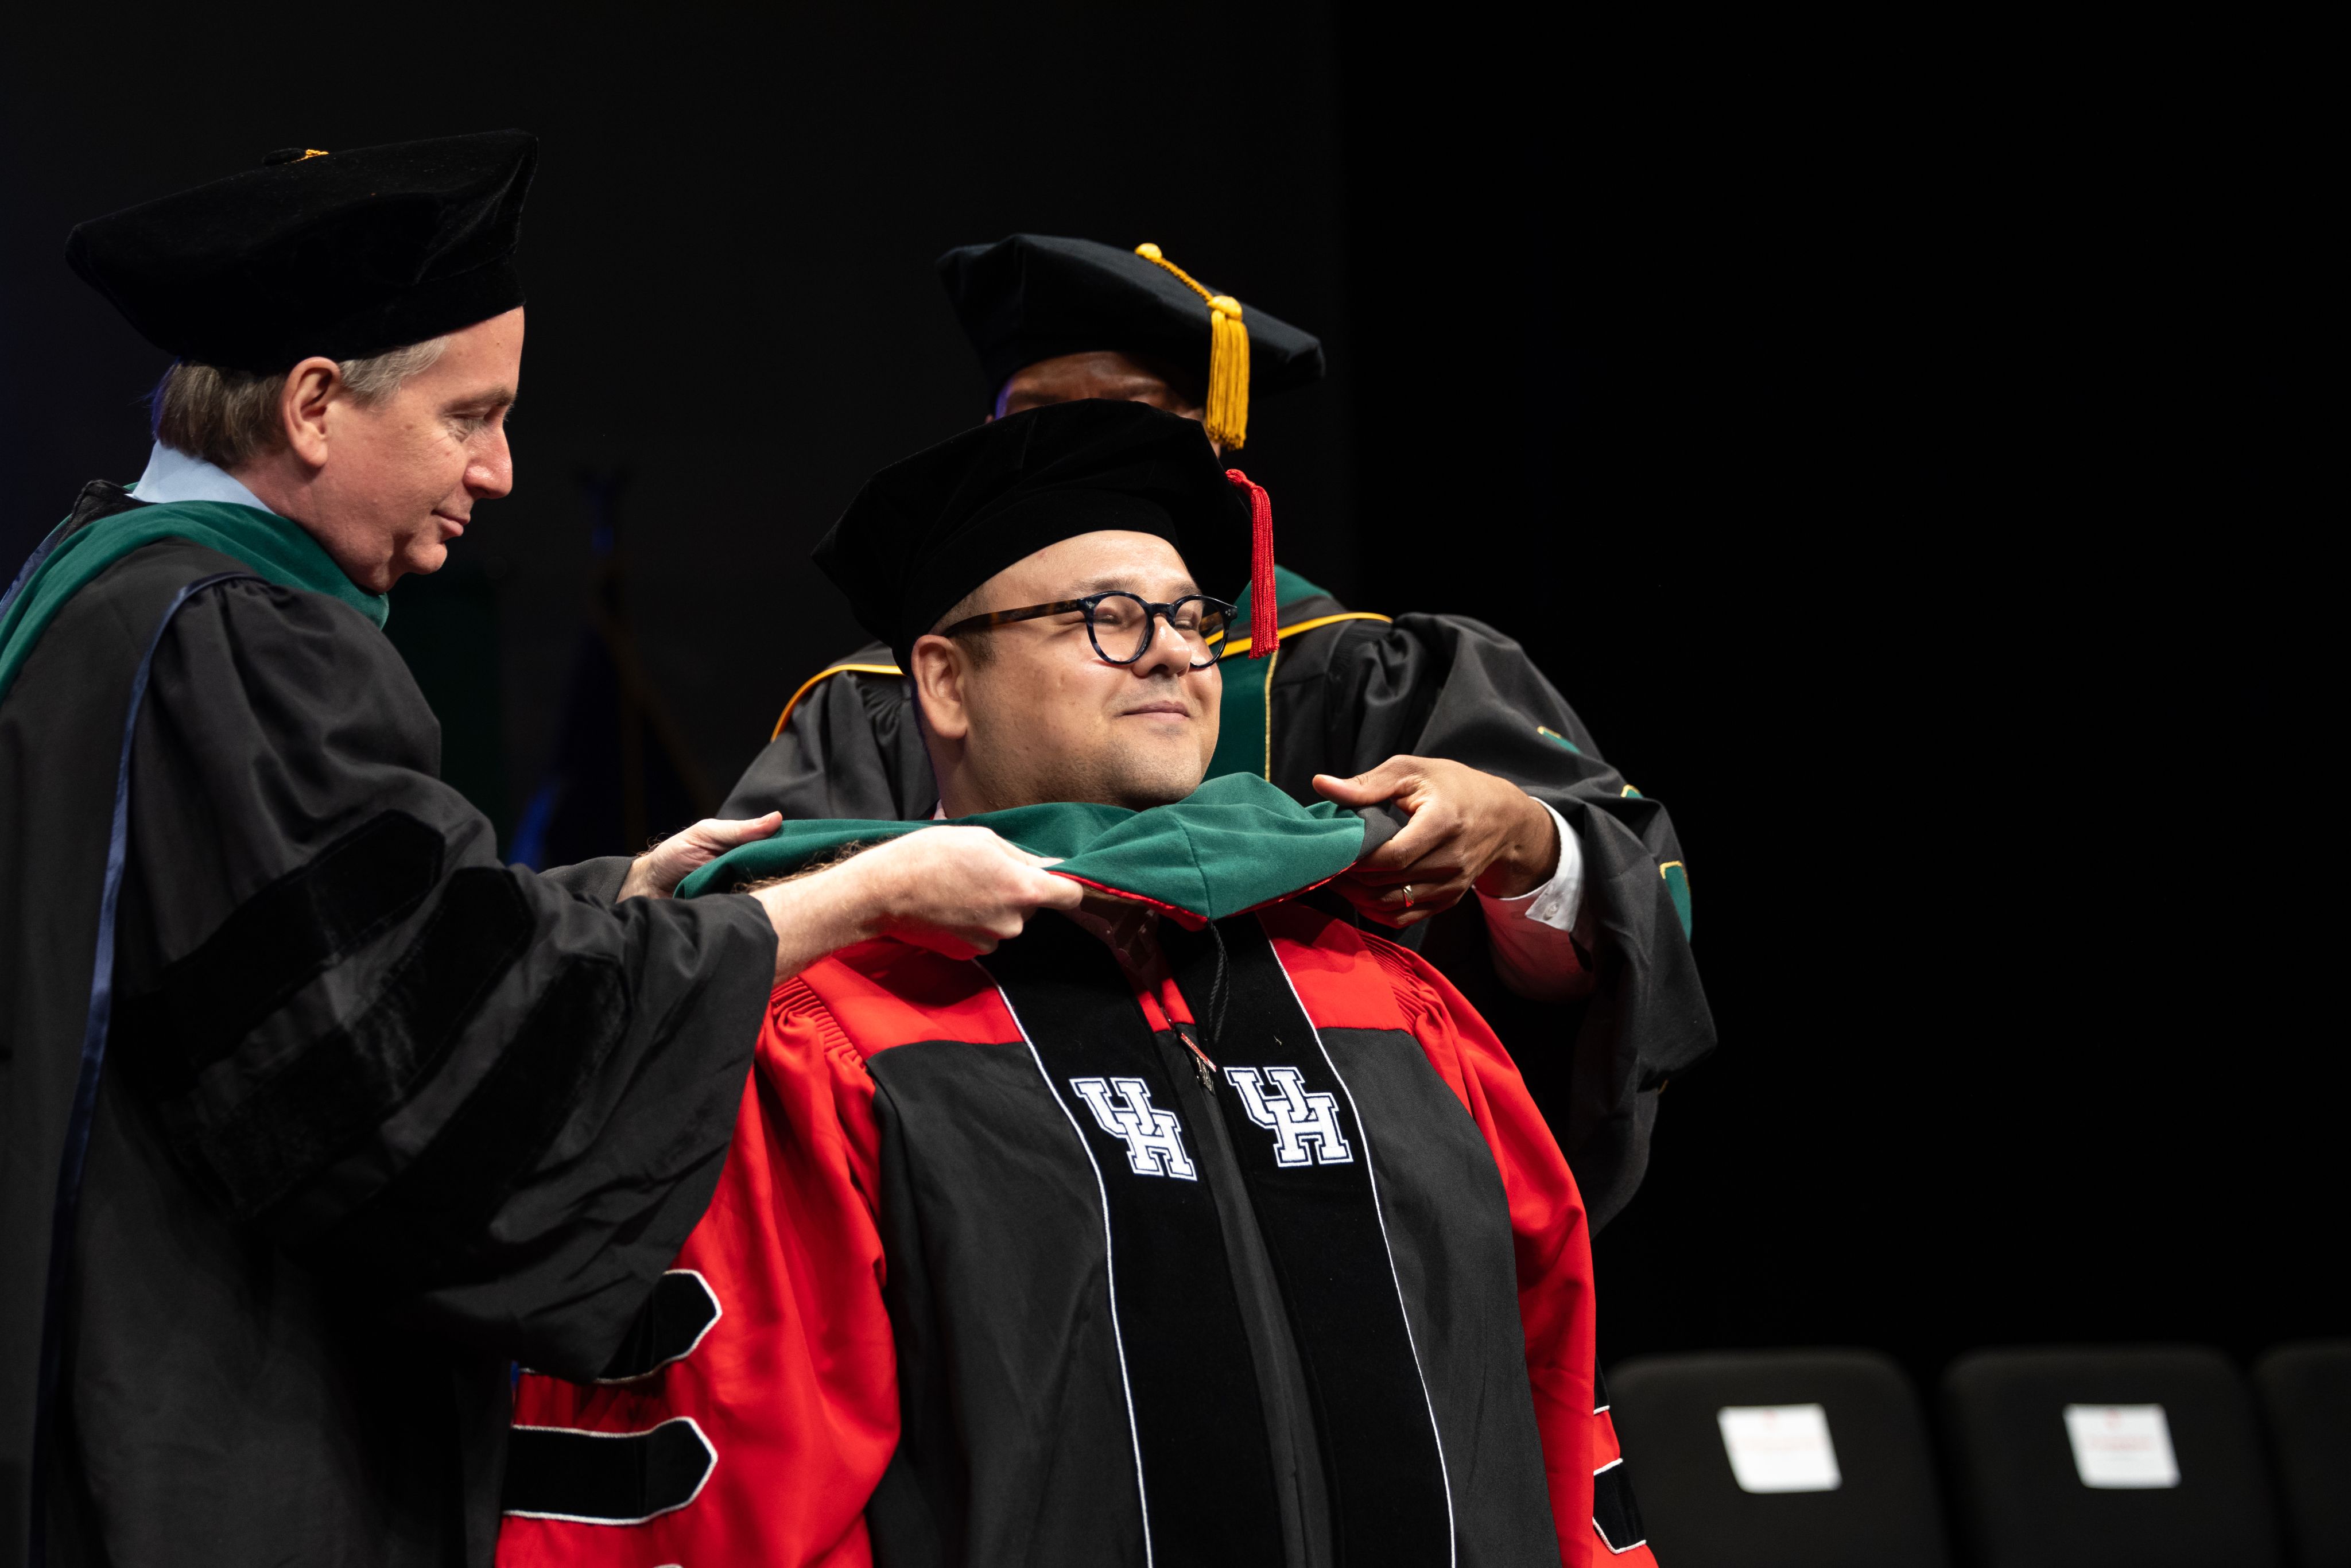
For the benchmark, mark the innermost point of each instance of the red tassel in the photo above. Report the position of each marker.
(1264, 613)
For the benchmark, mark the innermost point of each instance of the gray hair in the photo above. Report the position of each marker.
(230, 417)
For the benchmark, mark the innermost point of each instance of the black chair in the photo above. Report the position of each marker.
(1865, 1499)
(2108, 1458)
(2305, 1392)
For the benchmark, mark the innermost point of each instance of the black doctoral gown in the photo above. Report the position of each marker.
(1349, 692)
(378, 1117)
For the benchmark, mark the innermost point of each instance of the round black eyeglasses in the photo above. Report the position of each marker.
(1121, 624)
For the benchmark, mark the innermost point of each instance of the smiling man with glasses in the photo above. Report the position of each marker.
(1535, 877)
(1196, 1228)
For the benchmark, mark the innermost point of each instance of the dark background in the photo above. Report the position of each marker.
(1901, 447)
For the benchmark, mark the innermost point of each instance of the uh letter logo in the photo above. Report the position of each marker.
(1154, 1140)
(1295, 1117)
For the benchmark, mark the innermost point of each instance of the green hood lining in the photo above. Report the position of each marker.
(277, 549)
(1237, 843)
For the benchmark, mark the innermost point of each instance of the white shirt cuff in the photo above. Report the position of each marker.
(1534, 948)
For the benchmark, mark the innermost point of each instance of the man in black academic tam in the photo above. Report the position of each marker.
(1136, 1310)
(1586, 967)
(308, 304)
(316, 1116)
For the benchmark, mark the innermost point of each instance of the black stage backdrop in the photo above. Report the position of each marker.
(1895, 446)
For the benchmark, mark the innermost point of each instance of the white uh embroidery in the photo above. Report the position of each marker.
(1295, 1117)
(1154, 1139)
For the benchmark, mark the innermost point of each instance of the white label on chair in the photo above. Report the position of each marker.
(1780, 1447)
(2122, 1446)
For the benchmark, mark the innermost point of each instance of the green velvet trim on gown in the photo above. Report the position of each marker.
(1240, 723)
(276, 547)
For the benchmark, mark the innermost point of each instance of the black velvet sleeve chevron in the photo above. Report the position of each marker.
(363, 1067)
(274, 944)
(452, 1086)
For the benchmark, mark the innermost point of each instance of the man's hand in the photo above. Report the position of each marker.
(1468, 830)
(956, 891)
(656, 873)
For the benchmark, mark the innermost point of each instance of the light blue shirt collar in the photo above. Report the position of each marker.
(173, 475)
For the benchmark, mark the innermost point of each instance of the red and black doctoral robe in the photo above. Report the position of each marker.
(1015, 1262)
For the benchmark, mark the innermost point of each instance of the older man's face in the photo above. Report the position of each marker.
(403, 475)
(1043, 717)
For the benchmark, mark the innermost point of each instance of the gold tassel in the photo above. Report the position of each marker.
(1228, 368)
(1228, 358)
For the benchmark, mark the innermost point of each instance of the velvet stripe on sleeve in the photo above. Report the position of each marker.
(792, 1385)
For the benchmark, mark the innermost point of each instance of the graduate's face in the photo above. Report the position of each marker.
(1038, 716)
(394, 482)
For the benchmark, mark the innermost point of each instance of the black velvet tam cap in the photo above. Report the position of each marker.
(343, 254)
(927, 531)
(1037, 296)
